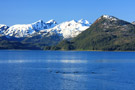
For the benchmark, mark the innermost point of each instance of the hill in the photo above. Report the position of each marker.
(107, 33)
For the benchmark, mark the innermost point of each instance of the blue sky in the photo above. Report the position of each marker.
(28, 11)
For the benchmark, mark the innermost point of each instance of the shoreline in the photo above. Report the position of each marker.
(62, 50)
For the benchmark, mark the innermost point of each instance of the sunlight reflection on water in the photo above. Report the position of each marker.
(67, 61)
(44, 61)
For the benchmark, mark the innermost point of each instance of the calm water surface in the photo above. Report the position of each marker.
(66, 70)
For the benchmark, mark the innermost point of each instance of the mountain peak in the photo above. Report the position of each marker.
(39, 21)
(73, 21)
(107, 16)
(83, 21)
(112, 18)
(52, 21)
(3, 26)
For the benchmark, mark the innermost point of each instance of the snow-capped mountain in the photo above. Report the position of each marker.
(26, 30)
(67, 29)
(3, 28)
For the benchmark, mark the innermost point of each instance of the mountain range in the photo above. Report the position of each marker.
(106, 33)
(40, 33)
(68, 29)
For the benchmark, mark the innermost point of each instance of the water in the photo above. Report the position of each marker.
(66, 70)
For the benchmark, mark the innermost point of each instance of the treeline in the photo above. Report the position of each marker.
(4, 44)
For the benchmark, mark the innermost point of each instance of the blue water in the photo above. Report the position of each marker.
(66, 70)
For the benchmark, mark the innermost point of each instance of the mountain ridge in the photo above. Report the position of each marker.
(107, 33)
(27, 30)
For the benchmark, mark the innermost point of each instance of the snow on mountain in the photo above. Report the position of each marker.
(112, 18)
(83, 21)
(3, 27)
(69, 29)
(26, 30)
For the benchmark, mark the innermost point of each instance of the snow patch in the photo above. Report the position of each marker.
(112, 18)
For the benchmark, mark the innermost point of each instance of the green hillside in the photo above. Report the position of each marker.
(6, 44)
(106, 34)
